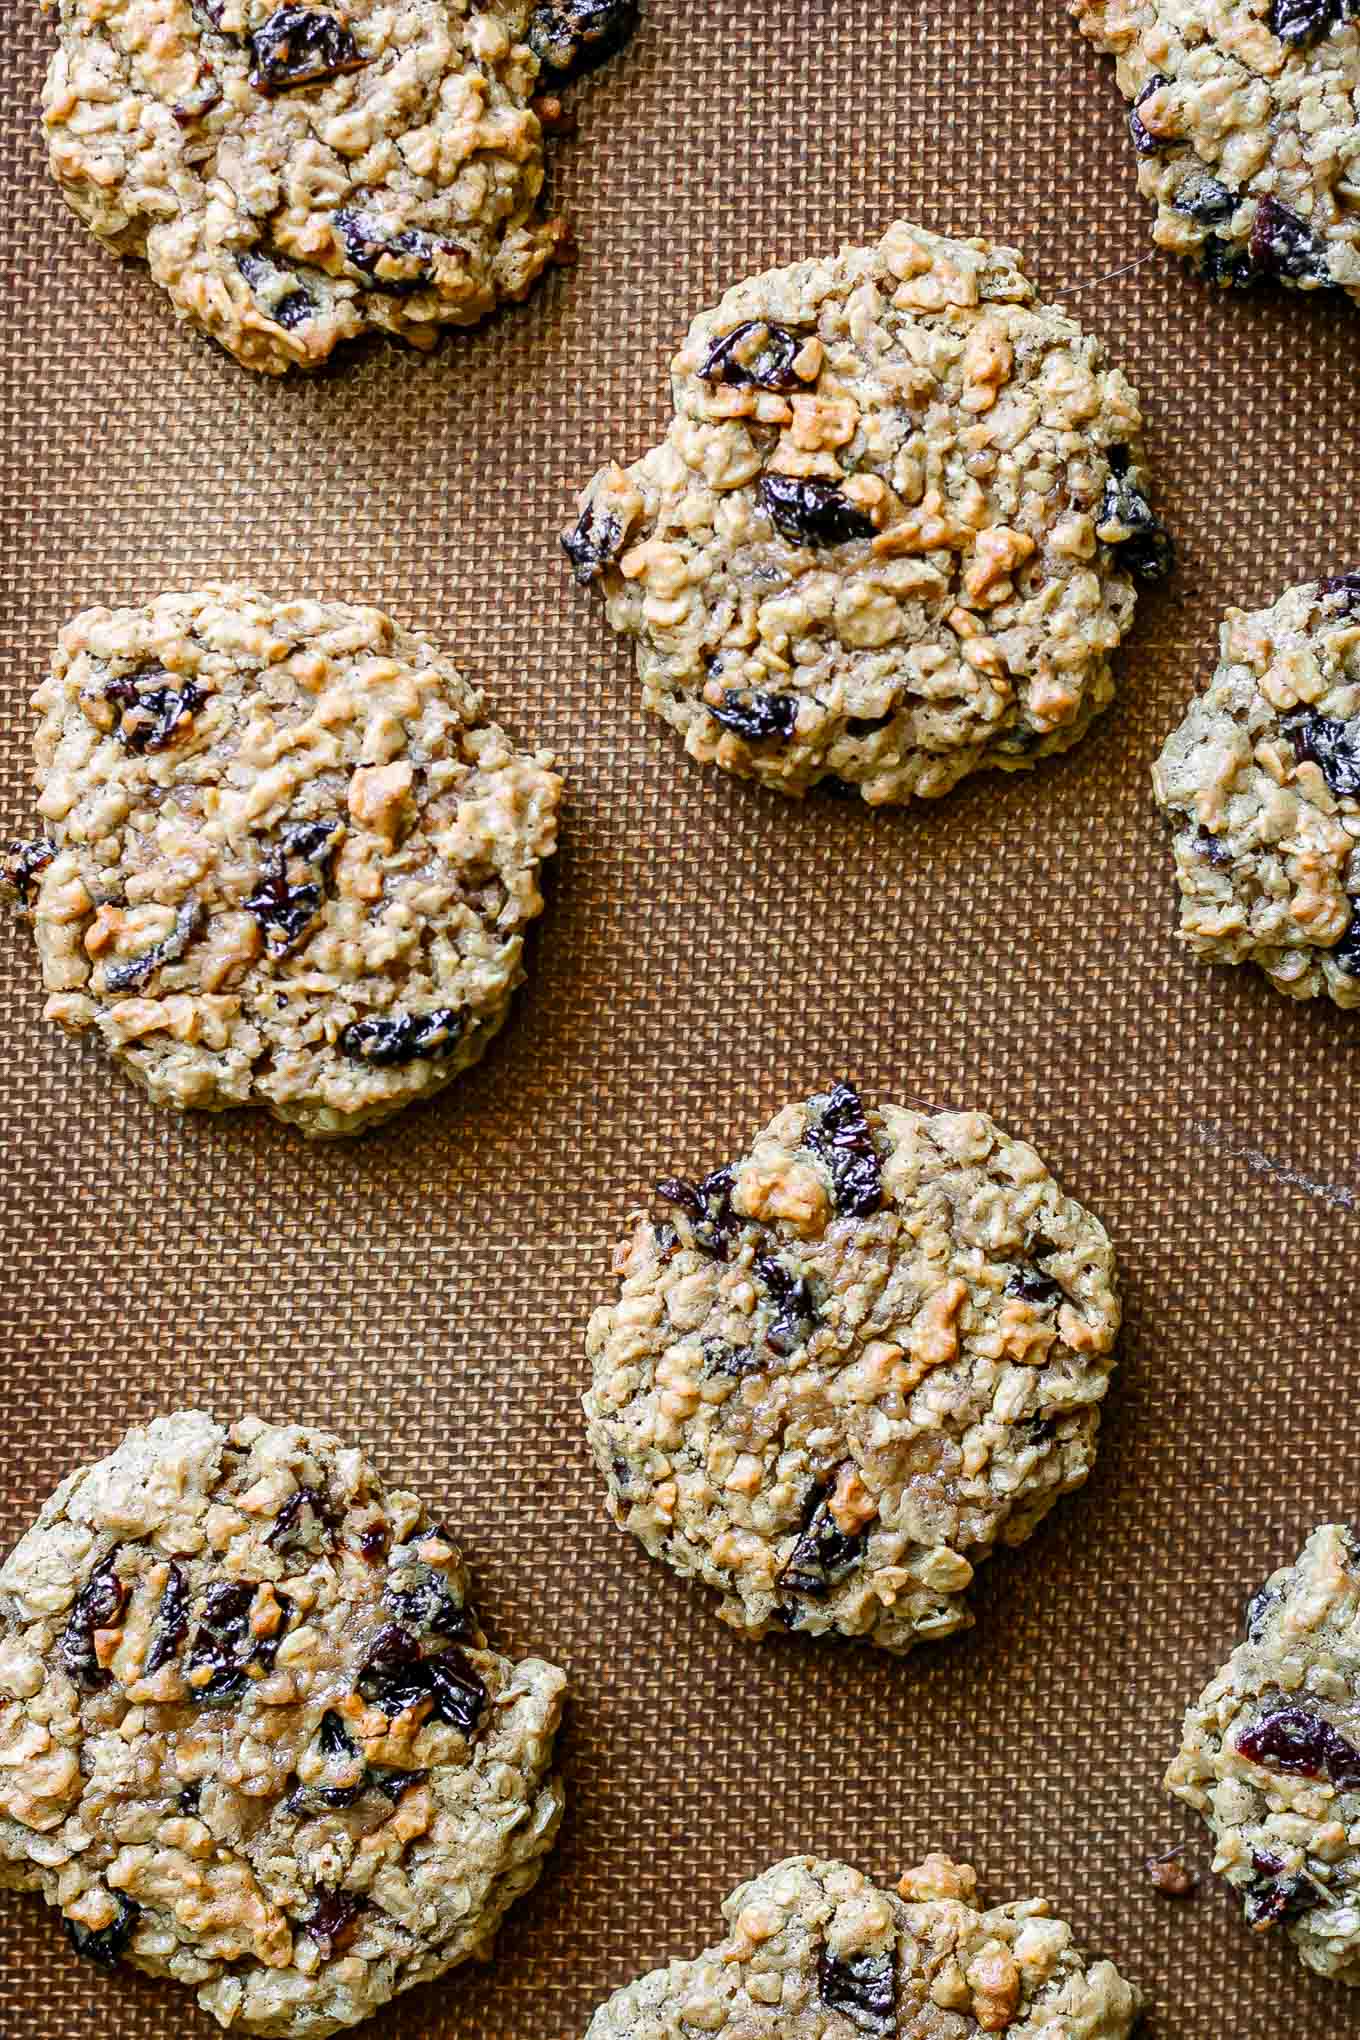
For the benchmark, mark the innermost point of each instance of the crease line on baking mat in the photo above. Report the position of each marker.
(1262, 1164)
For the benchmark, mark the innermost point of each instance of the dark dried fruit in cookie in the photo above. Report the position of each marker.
(1205, 201)
(1256, 1613)
(333, 1738)
(1033, 1285)
(1211, 850)
(288, 311)
(720, 1358)
(822, 1550)
(840, 1138)
(1299, 22)
(809, 511)
(302, 1522)
(592, 544)
(1283, 245)
(708, 1206)
(333, 1921)
(286, 903)
(757, 715)
(395, 1676)
(572, 36)
(1147, 144)
(98, 1605)
(301, 46)
(392, 1783)
(758, 354)
(373, 1543)
(1221, 263)
(456, 1688)
(1301, 1743)
(1274, 1899)
(410, 1037)
(21, 864)
(172, 1620)
(105, 1945)
(1145, 549)
(1334, 747)
(224, 1649)
(1346, 954)
(120, 977)
(418, 1598)
(189, 1798)
(795, 1310)
(153, 717)
(863, 1988)
(1342, 584)
(407, 257)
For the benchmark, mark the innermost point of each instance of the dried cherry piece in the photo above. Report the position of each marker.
(1272, 1899)
(757, 715)
(457, 1689)
(98, 1605)
(304, 1511)
(1255, 1613)
(105, 1945)
(1283, 245)
(822, 1550)
(411, 1037)
(769, 366)
(373, 1542)
(301, 46)
(1347, 951)
(293, 308)
(367, 244)
(1334, 747)
(21, 864)
(591, 545)
(1033, 1285)
(119, 977)
(1299, 22)
(392, 1783)
(795, 1310)
(153, 717)
(841, 1139)
(863, 1987)
(1205, 201)
(572, 36)
(1299, 1742)
(189, 1798)
(720, 1358)
(419, 1599)
(285, 909)
(810, 511)
(333, 1739)
(1146, 551)
(172, 1620)
(1148, 144)
(1210, 849)
(1221, 263)
(225, 1646)
(334, 1919)
(1342, 584)
(708, 1205)
(391, 1676)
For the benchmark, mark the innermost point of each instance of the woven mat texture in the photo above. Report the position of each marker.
(709, 952)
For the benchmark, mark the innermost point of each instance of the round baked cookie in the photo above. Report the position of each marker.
(1261, 784)
(296, 175)
(814, 1951)
(892, 533)
(251, 1734)
(1270, 1756)
(285, 860)
(845, 1366)
(1245, 124)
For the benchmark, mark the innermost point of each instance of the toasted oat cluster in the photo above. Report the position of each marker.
(295, 175)
(814, 1951)
(893, 532)
(1261, 784)
(1245, 126)
(285, 860)
(845, 1367)
(1270, 1756)
(251, 1734)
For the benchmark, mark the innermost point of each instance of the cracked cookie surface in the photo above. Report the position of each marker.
(1270, 1756)
(843, 1369)
(285, 861)
(1245, 126)
(295, 176)
(251, 1734)
(892, 533)
(1261, 785)
(815, 1951)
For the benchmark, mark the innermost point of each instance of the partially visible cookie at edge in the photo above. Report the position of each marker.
(295, 175)
(1261, 785)
(893, 532)
(285, 858)
(844, 1367)
(1245, 127)
(252, 1736)
(814, 1948)
(1270, 1756)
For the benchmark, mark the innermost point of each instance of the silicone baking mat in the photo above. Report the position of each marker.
(709, 952)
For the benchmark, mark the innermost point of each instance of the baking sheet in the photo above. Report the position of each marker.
(709, 952)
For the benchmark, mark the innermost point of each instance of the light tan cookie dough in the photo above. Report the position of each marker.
(251, 1735)
(1271, 1756)
(297, 175)
(1246, 130)
(843, 1368)
(1261, 784)
(889, 537)
(814, 1951)
(285, 860)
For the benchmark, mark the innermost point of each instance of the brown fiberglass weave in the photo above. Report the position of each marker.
(710, 950)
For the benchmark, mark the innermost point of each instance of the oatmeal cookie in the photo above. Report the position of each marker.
(251, 1735)
(296, 175)
(1271, 1756)
(846, 1366)
(1245, 125)
(286, 860)
(892, 533)
(1261, 784)
(814, 1951)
